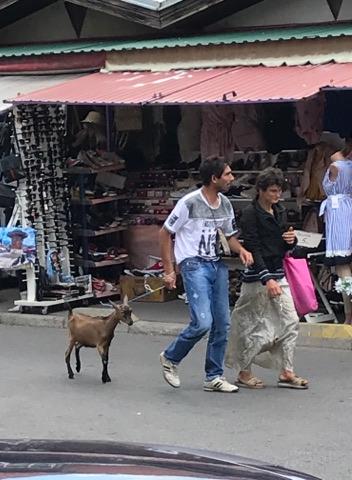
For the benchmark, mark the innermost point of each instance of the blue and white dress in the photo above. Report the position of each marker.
(337, 209)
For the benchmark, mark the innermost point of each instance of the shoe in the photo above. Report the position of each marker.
(169, 371)
(219, 384)
(183, 297)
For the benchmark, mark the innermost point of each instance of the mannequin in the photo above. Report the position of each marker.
(337, 210)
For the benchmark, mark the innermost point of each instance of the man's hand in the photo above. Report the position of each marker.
(289, 236)
(170, 280)
(246, 257)
(273, 288)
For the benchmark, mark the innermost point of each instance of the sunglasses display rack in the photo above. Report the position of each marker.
(40, 131)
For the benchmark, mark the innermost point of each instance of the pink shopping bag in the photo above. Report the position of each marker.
(300, 281)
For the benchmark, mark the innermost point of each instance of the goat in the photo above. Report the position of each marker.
(88, 331)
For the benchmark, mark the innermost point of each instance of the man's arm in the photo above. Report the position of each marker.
(166, 256)
(236, 247)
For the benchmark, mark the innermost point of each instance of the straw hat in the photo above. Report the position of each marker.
(94, 117)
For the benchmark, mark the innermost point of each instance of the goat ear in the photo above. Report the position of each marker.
(125, 301)
(134, 317)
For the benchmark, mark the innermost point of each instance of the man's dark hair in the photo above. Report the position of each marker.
(212, 166)
(270, 177)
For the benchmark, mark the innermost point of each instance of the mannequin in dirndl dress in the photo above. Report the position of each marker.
(337, 210)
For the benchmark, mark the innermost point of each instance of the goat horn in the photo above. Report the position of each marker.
(112, 303)
(105, 304)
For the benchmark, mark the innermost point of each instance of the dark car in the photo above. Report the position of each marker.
(76, 460)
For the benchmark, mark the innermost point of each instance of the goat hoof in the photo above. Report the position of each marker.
(71, 376)
(78, 369)
(106, 379)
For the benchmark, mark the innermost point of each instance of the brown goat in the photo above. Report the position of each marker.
(87, 331)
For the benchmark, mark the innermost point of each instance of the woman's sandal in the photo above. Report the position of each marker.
(253, 382)
(296, 382)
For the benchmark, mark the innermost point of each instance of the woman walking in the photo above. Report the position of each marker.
(264, 320)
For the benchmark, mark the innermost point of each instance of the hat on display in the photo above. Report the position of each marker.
(333, 139)
(94, 117)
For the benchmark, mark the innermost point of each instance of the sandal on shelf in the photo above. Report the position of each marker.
(253, 382)
(295, 382)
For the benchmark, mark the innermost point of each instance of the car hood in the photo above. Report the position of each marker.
(73, 460)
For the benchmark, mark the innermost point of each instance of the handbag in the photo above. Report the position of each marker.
(301, 285)
(222, 245)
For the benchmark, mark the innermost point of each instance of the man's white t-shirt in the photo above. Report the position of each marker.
(194, 223)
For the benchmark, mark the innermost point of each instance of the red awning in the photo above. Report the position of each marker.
(217, 85)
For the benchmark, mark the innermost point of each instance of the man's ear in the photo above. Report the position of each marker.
(214, 179)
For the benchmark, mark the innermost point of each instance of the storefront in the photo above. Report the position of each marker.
(107, 155)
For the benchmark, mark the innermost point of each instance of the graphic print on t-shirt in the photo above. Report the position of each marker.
(207, 241)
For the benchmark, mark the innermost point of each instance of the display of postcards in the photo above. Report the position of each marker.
(17, 247)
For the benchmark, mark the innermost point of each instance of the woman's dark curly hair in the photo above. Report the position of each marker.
(270, 177)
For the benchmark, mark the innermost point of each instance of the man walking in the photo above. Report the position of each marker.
(198, 220)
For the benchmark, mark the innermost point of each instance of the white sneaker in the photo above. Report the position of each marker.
(169, 371)
(219, 384)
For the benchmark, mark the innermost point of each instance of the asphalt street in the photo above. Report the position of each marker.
(307, 430)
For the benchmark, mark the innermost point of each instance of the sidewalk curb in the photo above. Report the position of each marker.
(310, 335)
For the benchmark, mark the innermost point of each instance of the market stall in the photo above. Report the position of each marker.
(107, 155)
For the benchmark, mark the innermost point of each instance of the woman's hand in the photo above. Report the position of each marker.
(289, 236)
(273, 288)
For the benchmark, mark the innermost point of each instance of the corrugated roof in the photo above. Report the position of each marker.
(224, 85)
(266, 35)
(14, 85)
(123, 87)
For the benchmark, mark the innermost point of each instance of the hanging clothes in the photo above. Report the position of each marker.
(309, 119)
(216, 133)
(246, 130)
(317, 162)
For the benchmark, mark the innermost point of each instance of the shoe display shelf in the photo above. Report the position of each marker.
(104, 235)
(152, 194)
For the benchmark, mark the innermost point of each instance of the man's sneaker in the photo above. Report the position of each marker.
(169, 371)
(219, 384)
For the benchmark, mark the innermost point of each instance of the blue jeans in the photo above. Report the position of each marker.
(207, 288)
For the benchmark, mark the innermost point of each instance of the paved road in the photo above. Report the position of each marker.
(309, 430)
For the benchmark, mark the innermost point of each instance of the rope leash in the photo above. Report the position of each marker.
(148, 291)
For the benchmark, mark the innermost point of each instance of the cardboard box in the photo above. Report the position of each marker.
(134, 286)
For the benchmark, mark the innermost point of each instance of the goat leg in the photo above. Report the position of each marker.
(104, 353)
(67, 358)
(78, 360)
